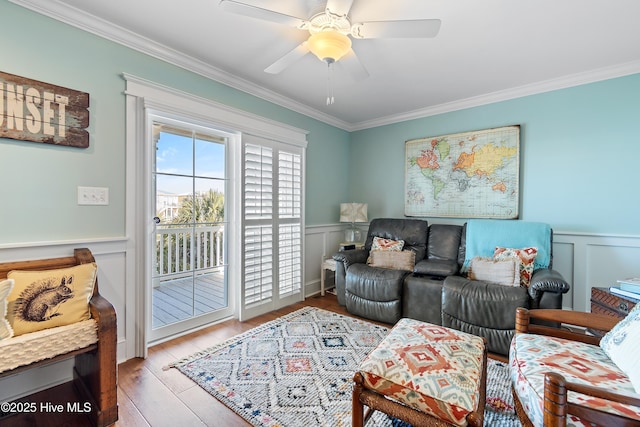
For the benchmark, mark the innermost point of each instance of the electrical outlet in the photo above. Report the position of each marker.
(93, 196)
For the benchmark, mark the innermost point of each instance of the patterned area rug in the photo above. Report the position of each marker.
(297, 371)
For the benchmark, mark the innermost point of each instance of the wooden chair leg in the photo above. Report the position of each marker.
(357, 408)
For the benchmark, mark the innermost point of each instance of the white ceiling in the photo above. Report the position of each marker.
(486, 50)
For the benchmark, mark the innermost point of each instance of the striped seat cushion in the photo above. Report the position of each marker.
(431, 368)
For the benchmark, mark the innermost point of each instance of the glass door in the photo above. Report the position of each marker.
(189, 271)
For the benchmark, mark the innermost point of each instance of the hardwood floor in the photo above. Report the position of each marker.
(148, 395)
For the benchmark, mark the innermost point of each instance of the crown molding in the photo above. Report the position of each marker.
(107, 30)
(564, 82)
(102, 28)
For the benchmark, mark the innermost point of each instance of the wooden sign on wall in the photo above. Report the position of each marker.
(40, 112)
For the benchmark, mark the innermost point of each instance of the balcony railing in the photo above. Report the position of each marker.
(189, 273)
(181, 251)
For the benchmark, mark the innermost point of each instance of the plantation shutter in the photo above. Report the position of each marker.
(272, 225)
(289, 232)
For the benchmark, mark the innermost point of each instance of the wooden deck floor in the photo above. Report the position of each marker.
(174, 300)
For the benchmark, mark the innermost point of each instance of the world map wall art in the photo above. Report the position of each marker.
(464, 175)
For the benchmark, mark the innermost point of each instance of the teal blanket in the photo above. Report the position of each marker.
(483, 235)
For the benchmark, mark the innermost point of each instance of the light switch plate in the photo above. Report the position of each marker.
(93, 196)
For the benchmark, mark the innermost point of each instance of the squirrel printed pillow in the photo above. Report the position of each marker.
(49, 298)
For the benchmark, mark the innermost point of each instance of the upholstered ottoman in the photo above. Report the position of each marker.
(424, 374)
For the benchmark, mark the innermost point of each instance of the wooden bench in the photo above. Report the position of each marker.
(94, 372)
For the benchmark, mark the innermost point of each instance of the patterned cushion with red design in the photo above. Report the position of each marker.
(531, 356)
(380, 244)
(432, 368)
(527, 257)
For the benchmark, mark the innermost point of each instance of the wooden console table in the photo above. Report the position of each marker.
(603, 301)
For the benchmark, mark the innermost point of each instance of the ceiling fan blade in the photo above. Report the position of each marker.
(353, 65)
(289, 58)
(339, 7)
(260, 13)
(421, 28)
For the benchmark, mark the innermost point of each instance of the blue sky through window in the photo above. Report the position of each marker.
(176, 167)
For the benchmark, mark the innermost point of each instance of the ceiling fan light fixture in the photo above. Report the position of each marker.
(329, 45)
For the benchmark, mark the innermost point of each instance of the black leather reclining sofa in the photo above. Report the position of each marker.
(435, 291)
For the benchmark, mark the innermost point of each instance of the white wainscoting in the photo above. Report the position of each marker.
(585, 260)
(593, 260)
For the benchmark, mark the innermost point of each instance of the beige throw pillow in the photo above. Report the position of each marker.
(50, 298)
(502, 272)
(396, 260)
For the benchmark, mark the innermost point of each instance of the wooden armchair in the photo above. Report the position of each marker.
(557, 406)
(95, 375)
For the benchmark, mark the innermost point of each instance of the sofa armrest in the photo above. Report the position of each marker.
(344, 259)
(354, 256)
(547, 280)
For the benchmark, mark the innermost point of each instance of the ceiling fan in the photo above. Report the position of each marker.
(329, 33)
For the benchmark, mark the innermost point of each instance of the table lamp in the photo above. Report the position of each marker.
(352, 213)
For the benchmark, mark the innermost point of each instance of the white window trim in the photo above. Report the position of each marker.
(143, 96)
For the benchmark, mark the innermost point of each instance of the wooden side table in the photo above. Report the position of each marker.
(330, 263)
(603, 301)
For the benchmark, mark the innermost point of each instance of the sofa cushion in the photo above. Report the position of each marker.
(436, 267)
(501, 272)
(532, 355)
(431, 368)
(444, 241)
(374, 293)
(412, 231)
(526, 256)
(49, 298)
(397, 260)
(5, 328)
(622, 345)
(483, 309)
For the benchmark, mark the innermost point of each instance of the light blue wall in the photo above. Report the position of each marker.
(579, 156)
(38, 182)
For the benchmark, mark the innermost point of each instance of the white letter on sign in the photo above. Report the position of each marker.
(15, 107)
(34, 120)
(62, 116)
(48, 114)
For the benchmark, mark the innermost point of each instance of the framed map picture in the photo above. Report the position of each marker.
(464, 175)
